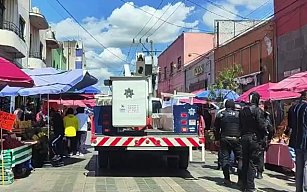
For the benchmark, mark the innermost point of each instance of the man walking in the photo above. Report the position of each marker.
(252, 125)
(297, 122)
(82, 130)
(227, 126)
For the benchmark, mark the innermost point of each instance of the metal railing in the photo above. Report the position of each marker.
(10, 26)
(36, 55)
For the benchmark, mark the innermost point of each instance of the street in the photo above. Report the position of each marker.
(139, 174)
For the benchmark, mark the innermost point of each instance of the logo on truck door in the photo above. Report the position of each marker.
(129, 93)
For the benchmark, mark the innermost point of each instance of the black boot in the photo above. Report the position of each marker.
(259, 175)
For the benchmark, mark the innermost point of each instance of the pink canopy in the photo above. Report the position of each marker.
(80, 103)
(11, 75)
(267, 94)
(296, 83)
(195, 101)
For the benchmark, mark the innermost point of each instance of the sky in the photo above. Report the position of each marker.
(111, 25)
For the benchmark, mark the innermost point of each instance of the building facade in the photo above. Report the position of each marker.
(253, 51)
(291, 34)
(74, 53)
(199, 74)
(173, 60)
(59, 61)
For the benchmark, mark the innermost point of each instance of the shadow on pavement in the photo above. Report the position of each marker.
(72, 160)
(133, 167)
(282, 177)
(214, 167)
(220, 181)
(271, 190)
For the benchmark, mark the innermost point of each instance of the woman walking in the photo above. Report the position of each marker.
(71, 125)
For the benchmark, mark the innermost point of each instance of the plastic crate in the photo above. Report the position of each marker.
(8, 176)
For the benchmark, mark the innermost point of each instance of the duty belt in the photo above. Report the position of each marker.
(232, 138)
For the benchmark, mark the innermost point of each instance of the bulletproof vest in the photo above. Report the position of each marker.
(230, 123)
(248, 122)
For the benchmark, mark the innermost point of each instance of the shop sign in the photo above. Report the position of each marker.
(7, 120)
(292, 72)
(198, 70)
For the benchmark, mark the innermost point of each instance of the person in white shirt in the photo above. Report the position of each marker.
(82, 130)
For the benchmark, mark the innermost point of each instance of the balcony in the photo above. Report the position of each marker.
(51, 42)
(12, 40)
(38, 20)
(35, 60)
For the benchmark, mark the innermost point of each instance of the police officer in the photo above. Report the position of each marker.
(227, 126)
(252, 125)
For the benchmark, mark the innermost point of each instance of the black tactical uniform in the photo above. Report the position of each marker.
(227, 126)
(252, 125)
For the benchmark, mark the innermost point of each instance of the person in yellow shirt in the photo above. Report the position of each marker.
(71, 125)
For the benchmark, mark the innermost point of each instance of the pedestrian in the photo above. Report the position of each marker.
(265, 139)
(71, 125)
(57, 141)
(219, 159)
(227, 124)
(252, 125)
(297, 117)
(82, 130)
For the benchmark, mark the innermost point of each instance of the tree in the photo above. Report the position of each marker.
(226, 80)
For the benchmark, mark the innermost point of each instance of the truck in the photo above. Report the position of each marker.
(135, 122)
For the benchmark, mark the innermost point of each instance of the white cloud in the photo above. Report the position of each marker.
(209, 17)
(123, 24)
(249, 4)
(103, 65)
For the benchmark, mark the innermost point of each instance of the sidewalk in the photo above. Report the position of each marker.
(81, 174)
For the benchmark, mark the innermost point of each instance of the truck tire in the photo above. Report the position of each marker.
(103, 159)
(184, 160)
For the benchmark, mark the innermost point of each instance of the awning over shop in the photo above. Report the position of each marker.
(296, 82)
(11, 75)
(52, 81)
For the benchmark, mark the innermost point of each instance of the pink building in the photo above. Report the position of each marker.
(186, 48)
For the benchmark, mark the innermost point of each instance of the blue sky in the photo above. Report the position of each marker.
(114, 24)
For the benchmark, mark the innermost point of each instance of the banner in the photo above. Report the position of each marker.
(7, 120)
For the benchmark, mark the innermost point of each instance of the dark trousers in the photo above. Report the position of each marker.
(57, 145)
(260, 165)
(251, 151)
(228, 145)
(73, 143)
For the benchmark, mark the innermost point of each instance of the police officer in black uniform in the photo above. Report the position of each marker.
(252, 125)
(227, 126)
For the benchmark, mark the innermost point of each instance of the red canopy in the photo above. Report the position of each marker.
(195, 101)
(296, 83)
(11, 75)
(267, 94)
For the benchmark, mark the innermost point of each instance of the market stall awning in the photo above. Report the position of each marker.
(296, 83)
(88, 90)
(52, 81)
(11, 75)
(267, 94)
(219, 93)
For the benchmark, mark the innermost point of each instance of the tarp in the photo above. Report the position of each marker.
(80, 103)
(89, 90)
(296, 83)
(52, 81)
(224, 93)
(267, 94)
(11, 75)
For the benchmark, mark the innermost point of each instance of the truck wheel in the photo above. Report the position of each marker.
(184, 159)
(103, 159)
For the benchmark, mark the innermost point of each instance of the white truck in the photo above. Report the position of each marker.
(126, 125)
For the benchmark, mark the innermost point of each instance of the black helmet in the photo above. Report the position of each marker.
(230, 104)
(254, 98)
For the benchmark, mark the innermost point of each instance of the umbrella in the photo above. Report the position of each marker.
(296, 83)
(11, 75)
(267, 94)
(224, 93)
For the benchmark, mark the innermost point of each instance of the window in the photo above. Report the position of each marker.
(172, 68)
(165, 71)
(22, 25)
(179, 62)
(2, 8)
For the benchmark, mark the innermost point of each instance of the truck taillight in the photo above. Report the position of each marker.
(184, 129)
(184, 115)
(184, 122)
(106, 130)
